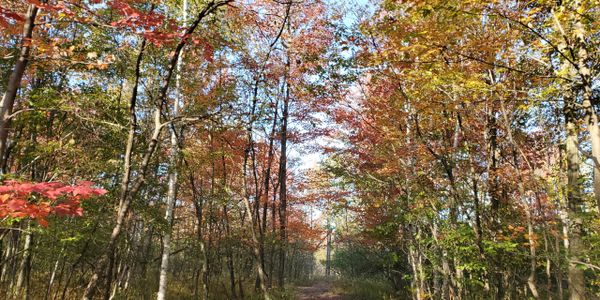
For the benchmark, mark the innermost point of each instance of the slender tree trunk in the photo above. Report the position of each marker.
(173, 176)
(104, 265)
(559, 273)
(421, 272)
(60, 277)
(9, 265)
(229, 251)
(283, 180)
(531, 279)
(22, 286)
(105, 262)
(445, 292)
(53, 274)
(273, 234)
(418, 293)
(166, 240)
(493, 154)
(199, 207)
(548, 266)
(253, 227)
(14, 83)
(328, 250)
(226, 225)
(267, 185)
(257, 199)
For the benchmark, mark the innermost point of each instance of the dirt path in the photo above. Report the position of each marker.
(321, 290)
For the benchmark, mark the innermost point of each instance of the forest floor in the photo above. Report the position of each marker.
(319, 290)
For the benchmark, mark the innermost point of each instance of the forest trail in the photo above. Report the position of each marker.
(321, 290)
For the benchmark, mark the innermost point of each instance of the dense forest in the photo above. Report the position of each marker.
(300, 149)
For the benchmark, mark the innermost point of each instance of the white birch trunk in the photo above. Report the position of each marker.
(172, 188)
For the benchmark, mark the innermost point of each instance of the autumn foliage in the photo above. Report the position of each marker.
(438, 149)
(39, 200)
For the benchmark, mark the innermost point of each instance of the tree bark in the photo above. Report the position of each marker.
(170, 203)
(199, 208)
(255, 240)
(574, 201)
(283, 179)
(173, 176)
(53, 274)
(14, 83)
(267, 185)
(22, 286)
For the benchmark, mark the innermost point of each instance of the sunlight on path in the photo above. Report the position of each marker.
(318, 291)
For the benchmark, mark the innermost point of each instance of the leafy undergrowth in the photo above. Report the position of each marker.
(182, 290)
(364, 289)
(179, 291)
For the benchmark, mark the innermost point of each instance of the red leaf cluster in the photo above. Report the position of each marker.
(7, 17)
(134, 17)
(38, 200)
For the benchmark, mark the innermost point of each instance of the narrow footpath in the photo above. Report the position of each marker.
(321, 290)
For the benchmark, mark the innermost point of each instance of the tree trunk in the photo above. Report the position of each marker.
(199, 207)
(229, 253)
(417, 292)
(53, 274)
(171, 198)
(328, 250)
(446, 291)
(105, 262)
(582, 61)
(267, 185)
(22, 286)
(283, 181)
(173, 176)
(531, 279)
(574, 202)
(255, 240)
(273, 234)
(14, 83)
